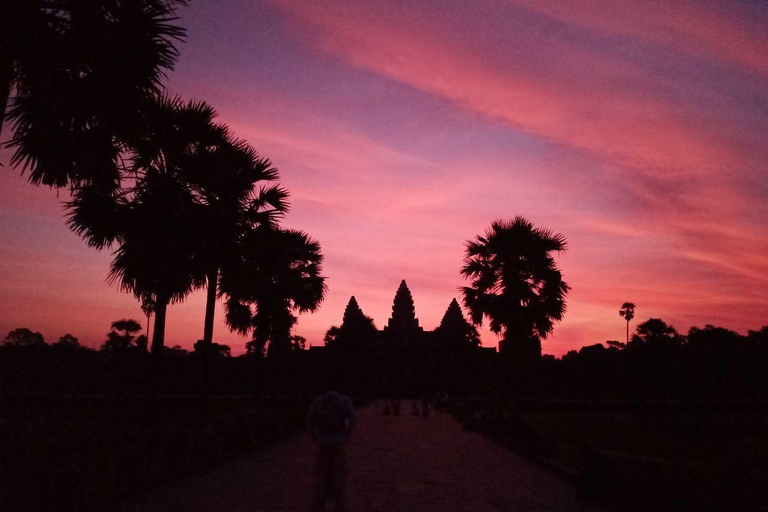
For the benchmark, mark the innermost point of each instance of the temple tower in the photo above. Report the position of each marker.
(352, 312)
(403, 321)
(454, 330)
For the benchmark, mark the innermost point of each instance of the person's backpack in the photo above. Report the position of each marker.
(330, 414)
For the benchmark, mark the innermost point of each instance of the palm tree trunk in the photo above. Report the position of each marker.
(6, 72)
(158, 340)
(627, 331)
(210, 307)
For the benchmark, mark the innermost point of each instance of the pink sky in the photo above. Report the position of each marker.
(402, 129)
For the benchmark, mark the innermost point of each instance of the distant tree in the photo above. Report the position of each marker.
(712, 338)
(214, 349)
(23, 337)
(757, 341)
(454, 331)
(68, 341)
(615, 345)
(759, 338)
(256, 349)
(516, 283)
(142, 342)
(278, 273)
(627, 312)
(176, 351)
(332, 335)
(148, 307)
(655, 332)
(122, 335)
(298, 343)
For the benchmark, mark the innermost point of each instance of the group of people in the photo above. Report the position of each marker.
(392, 408)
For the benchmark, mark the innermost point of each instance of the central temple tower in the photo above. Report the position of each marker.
(403, 322)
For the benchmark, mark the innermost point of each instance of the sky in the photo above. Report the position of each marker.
(637, 129)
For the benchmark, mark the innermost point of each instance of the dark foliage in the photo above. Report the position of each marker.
(82, 71)
(277, 273)
(122, 337)
(23, 337)
(516, 283)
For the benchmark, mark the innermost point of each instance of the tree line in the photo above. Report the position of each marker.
(182, 202)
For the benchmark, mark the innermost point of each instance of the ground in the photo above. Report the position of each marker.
(396, 464)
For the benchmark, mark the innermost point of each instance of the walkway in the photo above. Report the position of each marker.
(397, 464)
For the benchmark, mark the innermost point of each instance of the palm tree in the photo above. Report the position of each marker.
(122, 335)
(157, 221)
(225, 178)
(278, 273)
(147, 307)
(515, 282)
(627, 312)
(81, 71)
(157, 246)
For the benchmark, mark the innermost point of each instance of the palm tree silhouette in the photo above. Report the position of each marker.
(515, 282)
(157, 246)
(158, 220)
(225, 177)
(627, 312)
(81, 73)
(147, 307)
(278, 273)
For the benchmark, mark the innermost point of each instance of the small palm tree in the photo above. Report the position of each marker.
(516, 283)
(278, 273)
(627, 312)
(148, 307)
(122, 335)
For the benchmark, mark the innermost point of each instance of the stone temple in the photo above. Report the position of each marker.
(403, 359)
(402, 332)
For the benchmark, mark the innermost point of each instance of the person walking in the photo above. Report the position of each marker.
(330, 421)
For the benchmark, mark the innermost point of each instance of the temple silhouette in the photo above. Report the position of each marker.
(402, 335)
(402, 358)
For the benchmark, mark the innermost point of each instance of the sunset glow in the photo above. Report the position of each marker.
(403, 129)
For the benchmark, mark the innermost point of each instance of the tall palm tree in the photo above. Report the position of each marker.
(627, 312)
(515, 282)
(155, 217)
(157, 246)
(81, 72)
(278, 273)
(225, 178)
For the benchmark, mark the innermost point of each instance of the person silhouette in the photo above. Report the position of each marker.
(330, 421)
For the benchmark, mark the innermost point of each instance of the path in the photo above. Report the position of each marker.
(397, 464)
